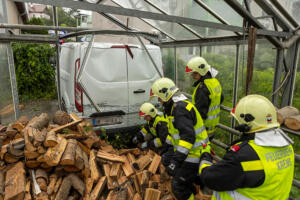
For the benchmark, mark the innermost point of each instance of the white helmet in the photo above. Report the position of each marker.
(163, 88)
(147, 109)
(197, 64)
(256, 112)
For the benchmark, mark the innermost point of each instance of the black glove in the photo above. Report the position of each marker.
(171, 168)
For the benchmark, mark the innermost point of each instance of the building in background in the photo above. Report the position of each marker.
(37, 11)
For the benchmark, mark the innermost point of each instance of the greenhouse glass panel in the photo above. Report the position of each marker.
(168, 57)
(292, 7)
(7, 114)
(173, 29)
(211, 32)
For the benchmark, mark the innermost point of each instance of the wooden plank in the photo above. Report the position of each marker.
(15, 183)
(66, 126)
(154, 164)
(111, 157)
(54, 154)
(98, 188)
(152, 194)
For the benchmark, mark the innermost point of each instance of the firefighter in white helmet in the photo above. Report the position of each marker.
(154, 133)
(187, 138)
(260, 165)
(207, 95)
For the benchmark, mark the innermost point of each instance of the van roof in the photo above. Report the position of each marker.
(108, 45)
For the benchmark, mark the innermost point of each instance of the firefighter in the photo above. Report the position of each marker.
(260, 165)
(207, 95)
(187, 138)
(154, 134)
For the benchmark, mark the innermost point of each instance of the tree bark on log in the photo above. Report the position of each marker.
(293, 122)
(285, 112)
(42, 121)
(68, 157)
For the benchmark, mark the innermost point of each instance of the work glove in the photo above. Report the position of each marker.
(171, 168)
(144, 145)
(135, 140)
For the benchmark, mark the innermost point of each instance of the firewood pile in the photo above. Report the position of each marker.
(290, 117)
(67, 160)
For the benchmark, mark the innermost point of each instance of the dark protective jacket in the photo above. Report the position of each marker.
(156, 137)
(228, 174)
(202, 100)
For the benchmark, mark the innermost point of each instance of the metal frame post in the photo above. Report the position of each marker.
(175, 67)
(235, 85)
(55, 21)
(11, 66)
(277, 76)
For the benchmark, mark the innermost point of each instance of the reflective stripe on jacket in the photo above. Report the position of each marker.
(278, 165)
(193, 151)
(213, 114)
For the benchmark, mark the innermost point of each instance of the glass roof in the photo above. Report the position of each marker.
(214, 11)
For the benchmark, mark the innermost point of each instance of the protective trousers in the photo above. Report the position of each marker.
(184, 179)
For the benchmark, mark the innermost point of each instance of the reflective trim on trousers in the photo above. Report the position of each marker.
(213, 108)
(143, 133)
(182, 149)
(233, 194)
(175, 136)
(156, 143)
(205, 162)
(192, 160)
(199, 130)
(213, 116)
(168, 141)
(200, 143)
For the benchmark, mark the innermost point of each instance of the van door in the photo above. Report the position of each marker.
(105, 78)
(142, 74)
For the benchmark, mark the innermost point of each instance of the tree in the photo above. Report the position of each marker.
(66, 17)
(35, 21)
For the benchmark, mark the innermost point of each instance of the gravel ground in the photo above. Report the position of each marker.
(33, 108)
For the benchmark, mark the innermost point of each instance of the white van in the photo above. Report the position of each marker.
(117, 77)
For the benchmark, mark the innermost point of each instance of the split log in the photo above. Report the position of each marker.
(32, 164)
(84, 148)
(131, 158)
(54, 154)
(88, 188)
(53, 179)
(31, 154)
(108, 148)
(285, 112)
(127, 167)
(39, 136)
(23, 120)
(152, 194)
(79, 160)
(18, 126)
(111, 184)
(41, 150)
(68, 157)
(112, 195)
(42, 121)
(27, 191)
(98, 188)
(137, 196)
(74, 196)
(86, 170)
(10, 158)
(122, 195)
(142, 162)
(110, 157)
(10, 132)
(154, 164)
(2, 183)
(41, 179)
(51, 139)
(127, 186)
(28, 145)
(67, 183)
(15, 183)
(61, 118)
(135, 151)
(136, 184)
(95, 173)
(57, 184)
(114, 171)
(293, 122)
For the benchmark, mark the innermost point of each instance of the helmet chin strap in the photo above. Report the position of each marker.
(244, 128)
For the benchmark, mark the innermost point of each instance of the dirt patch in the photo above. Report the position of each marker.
(33, 108)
